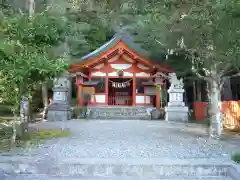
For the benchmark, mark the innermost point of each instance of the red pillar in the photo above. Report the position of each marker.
(106, 83)
(134, 90)
(106, 90)
(158, 97)
(80, 99)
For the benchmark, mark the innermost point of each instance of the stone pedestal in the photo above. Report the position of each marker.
(179, 114)
(24, 108)
(176, 109)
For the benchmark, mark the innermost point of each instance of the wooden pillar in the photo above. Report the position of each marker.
(134, 90)
(158, 97)
(80, 98)
(106, 90)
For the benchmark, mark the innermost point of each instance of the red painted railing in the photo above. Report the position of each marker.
(231, 110)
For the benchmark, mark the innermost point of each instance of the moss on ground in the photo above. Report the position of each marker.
(33, 137)
(236, 157)
(6, 118)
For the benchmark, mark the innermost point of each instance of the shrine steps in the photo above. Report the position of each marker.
(118, 169)
(119, 113)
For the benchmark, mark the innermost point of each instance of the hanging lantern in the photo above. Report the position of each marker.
(79, 80)
(120, 73)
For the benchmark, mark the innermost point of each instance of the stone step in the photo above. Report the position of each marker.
(119, 108)
(120, 168)
(118, 111)
(144, 171)
(131, 113)
(47, 177)
(95, 168)
(102, 117)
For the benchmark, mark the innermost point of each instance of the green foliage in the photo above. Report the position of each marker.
(87, 27)
(199, 33)
(37, 136)
(74, 101)
(236, 157)
(79, 112)
(33, 137)
(27, 53)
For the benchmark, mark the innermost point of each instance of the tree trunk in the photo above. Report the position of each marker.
(214, 109)
(16, 112)
(14, 135)
(30, 4)
(194, 91)
(199, 91)
(45, 100)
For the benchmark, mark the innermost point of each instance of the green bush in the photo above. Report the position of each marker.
(236, 157)
(79, 112)
(5, 109)
(31, 138)
(38, 136)
(74, 101)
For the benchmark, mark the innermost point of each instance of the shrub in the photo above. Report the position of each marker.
(79, 112)
(74, 101)
(236, 157)
(5, 109)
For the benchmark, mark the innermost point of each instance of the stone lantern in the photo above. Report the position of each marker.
(59, 109)
(176, 109)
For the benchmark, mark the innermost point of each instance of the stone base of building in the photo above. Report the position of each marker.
(118, 113)
(157, 114)
(59, 112)
(178, 114)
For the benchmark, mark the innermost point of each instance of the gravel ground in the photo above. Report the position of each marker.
(134, 139)
(128, 140)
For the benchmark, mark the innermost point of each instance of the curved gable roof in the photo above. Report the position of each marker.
(120, 36)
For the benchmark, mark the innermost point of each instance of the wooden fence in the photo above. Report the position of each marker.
(231, 110)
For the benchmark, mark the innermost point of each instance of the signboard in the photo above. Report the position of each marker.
(88, 90)
(150, 91)
(178, 97)
(59, 96)
(159, 80)
(79, 79)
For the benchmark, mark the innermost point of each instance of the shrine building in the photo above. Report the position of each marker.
(120, 73)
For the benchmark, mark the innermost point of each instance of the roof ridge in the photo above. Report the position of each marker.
(122, 32)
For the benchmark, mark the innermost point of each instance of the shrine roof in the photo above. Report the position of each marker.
(120, 36)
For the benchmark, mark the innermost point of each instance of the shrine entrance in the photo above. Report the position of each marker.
(120, 91)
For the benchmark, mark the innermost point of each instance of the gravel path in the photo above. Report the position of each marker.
(134, 139)
(128, 140)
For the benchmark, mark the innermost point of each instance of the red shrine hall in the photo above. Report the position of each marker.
(119, 73)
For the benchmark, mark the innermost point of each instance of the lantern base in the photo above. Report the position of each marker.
(59, 111)
(176, 113)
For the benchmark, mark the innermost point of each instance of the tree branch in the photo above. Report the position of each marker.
(223, 81)
(159, 42)
(194, 70)
(226, 67)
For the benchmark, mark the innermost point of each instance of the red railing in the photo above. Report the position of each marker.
(231, 110)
